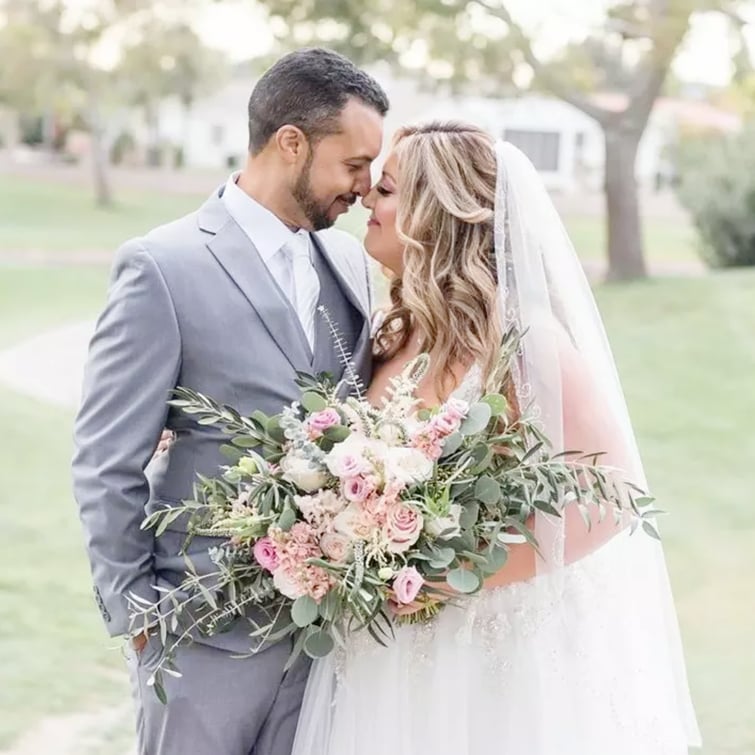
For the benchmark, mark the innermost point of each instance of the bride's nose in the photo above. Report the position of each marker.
(368, 200)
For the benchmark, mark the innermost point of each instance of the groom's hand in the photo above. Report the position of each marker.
(139, 641)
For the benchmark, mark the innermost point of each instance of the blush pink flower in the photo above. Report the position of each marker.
(402, 528)
(444, 424)
(266, 554)
(430, 444)
(319, 422)
(336, 547)
(456, 409)
(407, 584)
(357, 489)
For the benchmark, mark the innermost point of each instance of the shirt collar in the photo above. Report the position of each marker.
(265, 230)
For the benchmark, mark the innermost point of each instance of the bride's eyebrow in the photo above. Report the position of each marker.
(389, 176)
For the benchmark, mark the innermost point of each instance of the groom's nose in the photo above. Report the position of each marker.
(363, 183)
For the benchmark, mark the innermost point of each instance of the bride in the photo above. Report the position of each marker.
(576, 652)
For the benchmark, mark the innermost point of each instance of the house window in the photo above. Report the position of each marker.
(217, 135)
(542, 147)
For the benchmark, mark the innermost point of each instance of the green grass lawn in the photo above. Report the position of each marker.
(686, 352)
(52, 217)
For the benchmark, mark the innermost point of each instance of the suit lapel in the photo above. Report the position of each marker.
(240, 259)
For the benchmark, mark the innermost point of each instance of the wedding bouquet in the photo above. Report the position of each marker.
(335, 514)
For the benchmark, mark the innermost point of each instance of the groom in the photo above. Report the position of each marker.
(223, 301)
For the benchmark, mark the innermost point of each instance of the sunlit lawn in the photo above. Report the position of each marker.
(53, 217)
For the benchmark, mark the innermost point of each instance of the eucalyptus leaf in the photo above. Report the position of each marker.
(452, 444)
(469, 514)
(487, 490)
(476, 420)
(287, 519)
(274, 430)
(442, 557)
(329, 605)
(304, 611)
(319, 644)
(337, 433)
(463, 580)
(497, 558)
(313, 402)
(497, 403)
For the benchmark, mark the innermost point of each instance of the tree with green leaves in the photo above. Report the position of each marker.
(480, 46)
(166, 59)
(53, 51)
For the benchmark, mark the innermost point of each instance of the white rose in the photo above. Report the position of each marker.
(348, 459)
(286, 585)
(448, 523)
(355, 523)
(305, 474)
(408, 465)
(336, 547)
(390, 433)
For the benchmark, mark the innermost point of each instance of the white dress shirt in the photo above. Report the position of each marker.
(277, 245)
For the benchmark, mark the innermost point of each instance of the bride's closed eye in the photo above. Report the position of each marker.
(383, 191)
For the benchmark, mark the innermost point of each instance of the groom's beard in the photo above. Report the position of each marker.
(302, 192)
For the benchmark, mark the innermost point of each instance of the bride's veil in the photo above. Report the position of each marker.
(564, 357)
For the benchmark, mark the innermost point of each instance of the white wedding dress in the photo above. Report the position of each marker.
(558, 665)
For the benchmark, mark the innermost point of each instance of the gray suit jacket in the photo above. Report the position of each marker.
(191, 303)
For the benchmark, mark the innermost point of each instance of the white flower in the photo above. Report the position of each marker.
(352, 457)
(448, 524)
(408, 465)
(390, 433)
(385, 573)
(355, 523)
(286, 585)
(305, 474)
(336, 547)
(319, 507)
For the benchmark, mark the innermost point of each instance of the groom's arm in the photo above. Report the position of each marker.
(133, 364)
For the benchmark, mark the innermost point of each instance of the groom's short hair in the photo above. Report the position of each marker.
(308, 89)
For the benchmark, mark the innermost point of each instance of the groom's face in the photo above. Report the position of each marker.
(336, 170)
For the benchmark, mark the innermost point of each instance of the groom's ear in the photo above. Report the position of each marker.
(292, 143)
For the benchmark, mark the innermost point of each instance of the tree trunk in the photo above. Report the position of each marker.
(102, 191)
(626, 256)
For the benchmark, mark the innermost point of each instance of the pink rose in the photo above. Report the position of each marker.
(407, 584)
(402, 527)
(336, 547)
(445, 424)
(266, 554)
(357, 489)
(319, 422)
(455, 408)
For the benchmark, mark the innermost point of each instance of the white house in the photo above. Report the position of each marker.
(565, 145)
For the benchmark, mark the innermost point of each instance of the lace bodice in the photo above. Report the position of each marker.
(470, 388)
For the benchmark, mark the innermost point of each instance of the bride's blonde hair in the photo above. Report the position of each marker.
(447, 184)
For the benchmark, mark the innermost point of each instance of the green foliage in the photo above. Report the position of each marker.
(717, 186)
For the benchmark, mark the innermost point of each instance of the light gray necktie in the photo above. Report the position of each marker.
(306, 284)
